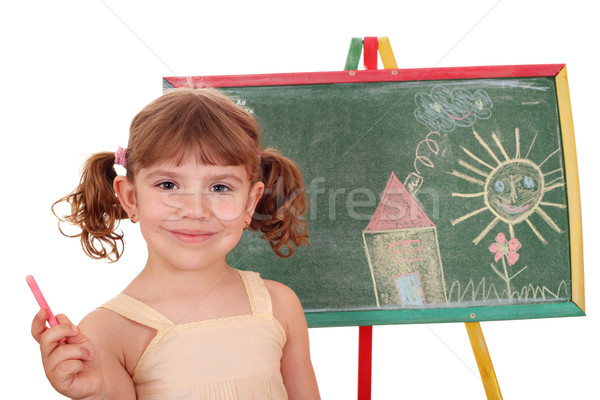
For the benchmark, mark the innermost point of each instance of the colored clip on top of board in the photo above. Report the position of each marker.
(370, 55)
(353, 58)
(386, 53)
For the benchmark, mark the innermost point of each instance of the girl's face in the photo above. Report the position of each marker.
(192, 215)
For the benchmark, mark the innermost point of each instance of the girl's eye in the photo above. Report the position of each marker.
(219, 188)
(167, 185)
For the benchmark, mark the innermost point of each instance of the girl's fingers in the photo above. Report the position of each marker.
(51, 336)
(78, 337)
(68, 368)
(38, 325)
(58, 332)
(67, 353)
(63, 320)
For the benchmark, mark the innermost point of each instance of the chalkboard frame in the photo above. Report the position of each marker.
(575, 307)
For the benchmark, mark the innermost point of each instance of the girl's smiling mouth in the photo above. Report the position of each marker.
(191, 236)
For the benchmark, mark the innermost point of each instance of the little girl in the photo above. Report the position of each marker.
(189, 326)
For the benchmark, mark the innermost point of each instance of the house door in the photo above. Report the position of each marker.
(410, 289)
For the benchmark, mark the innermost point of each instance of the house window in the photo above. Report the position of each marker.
(406, 250)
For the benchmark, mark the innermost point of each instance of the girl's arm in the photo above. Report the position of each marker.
(296, 366)
(99, 326)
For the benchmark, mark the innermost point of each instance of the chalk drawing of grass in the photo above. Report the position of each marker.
(487, 292)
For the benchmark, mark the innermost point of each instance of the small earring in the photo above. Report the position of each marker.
(132, 219)
(246, 225)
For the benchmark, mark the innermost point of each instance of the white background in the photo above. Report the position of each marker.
(75, 73)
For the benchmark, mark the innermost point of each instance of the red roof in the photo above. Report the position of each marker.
(397, 209)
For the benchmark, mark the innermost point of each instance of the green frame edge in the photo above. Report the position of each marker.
(442, 315)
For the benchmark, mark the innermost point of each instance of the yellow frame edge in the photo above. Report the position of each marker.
(572, 180)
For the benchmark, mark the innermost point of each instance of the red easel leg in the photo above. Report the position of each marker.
(365, 356)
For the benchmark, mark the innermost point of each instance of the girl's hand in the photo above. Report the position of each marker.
(71, 367)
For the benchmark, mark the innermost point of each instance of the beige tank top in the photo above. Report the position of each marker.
(227, 358)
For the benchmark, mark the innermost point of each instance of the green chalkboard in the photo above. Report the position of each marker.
(431, 200)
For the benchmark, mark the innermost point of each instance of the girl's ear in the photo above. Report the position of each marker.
(256, 192)
(125, 191)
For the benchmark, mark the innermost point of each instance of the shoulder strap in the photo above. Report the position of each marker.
(260, 300)
(137, 311)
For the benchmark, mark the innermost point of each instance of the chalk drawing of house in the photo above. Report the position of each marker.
(403, 252)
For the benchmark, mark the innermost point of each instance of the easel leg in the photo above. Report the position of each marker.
(484, 361)
(365, 357)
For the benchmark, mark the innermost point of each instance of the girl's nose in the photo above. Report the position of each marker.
(189, 204)
(201, 207)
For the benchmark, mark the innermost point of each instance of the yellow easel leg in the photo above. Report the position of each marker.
(484, 362)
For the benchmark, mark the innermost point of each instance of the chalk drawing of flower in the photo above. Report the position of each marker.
(501, 248)
(507, 252)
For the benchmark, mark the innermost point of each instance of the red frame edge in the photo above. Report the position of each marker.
(415, 74)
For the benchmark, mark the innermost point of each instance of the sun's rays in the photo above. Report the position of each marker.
(468, 195)
(531, 146)
(545, 203)
(551, 187)
(467, 216)
(499, 145)
(513, 188)
(468, 178)
(485, 146)
(547, 158)
(518, 144)
(474, 157)
(487, 230)
(537, 233)
(472, 168)
(548, 220)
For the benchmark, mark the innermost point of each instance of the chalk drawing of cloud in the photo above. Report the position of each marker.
(444, 109)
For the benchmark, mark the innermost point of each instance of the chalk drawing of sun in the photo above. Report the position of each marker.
(512, 190)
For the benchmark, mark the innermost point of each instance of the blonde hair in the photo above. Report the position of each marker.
(207, 125)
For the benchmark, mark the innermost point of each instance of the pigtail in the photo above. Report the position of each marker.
(279, 214)
(96, 209)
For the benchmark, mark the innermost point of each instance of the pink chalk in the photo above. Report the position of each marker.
(42, 301)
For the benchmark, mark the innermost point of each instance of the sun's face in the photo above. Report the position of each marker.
(514, 189)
